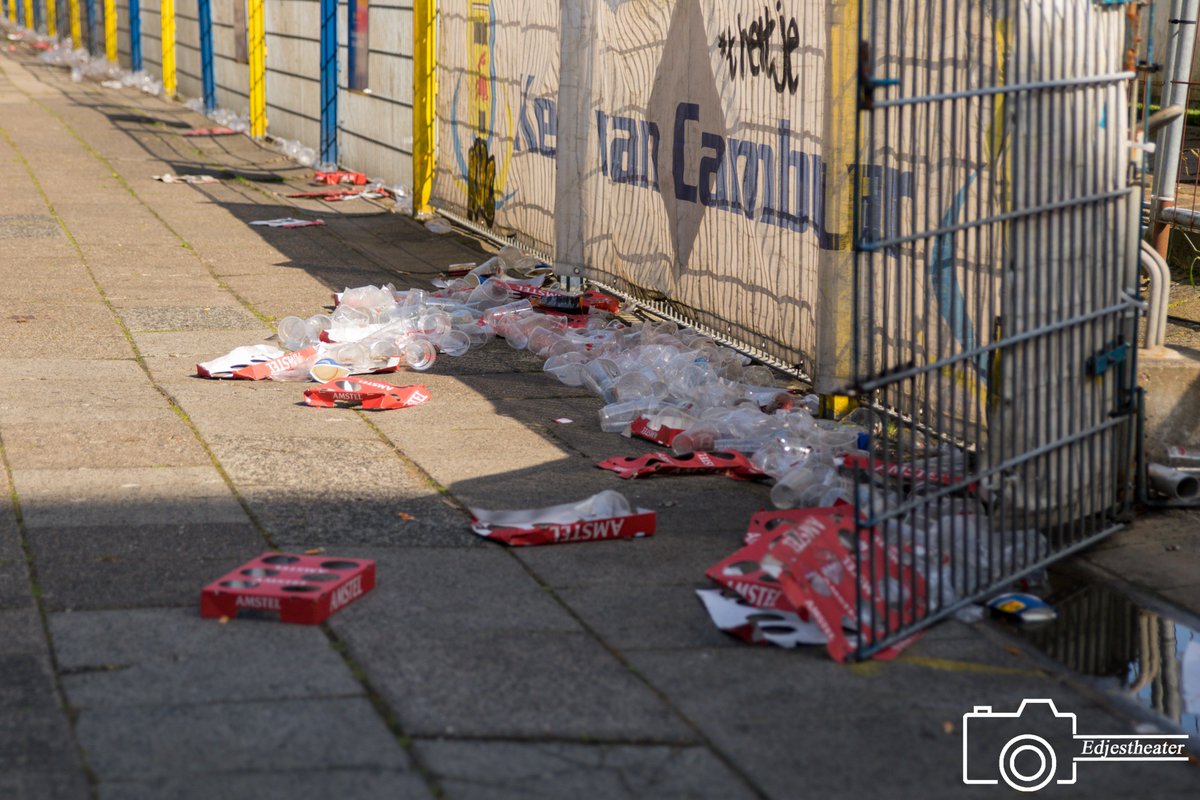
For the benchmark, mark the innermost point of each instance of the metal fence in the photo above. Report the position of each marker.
(995, 297)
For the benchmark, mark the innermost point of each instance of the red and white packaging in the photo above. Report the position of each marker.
(733, 615)
(908, 472)
(751, 574)
(661, 435)
(819, 574)
(238, 359)
(726, 462)
(373, 395)
(340, 176)
(767, 522)
(288, 587)
(297, 359)
(588, 299)
(209, 132)
(606, 515)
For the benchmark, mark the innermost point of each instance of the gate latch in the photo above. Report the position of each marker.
(1113, 354)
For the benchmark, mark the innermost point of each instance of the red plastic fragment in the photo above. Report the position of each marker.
(660, 435)
(295, 588)
(726, 462)
(340, 176)
(368, 394)
(631, 526)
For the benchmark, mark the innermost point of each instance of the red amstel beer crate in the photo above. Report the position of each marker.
(290, 587)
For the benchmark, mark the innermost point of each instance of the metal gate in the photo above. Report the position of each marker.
(995, 303)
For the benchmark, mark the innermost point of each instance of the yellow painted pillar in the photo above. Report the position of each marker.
(52, 18)
(29, 14)
(110, 30)
(12, 10)
(167, 14)
(76, 24)
(257, 51)
(424, 101)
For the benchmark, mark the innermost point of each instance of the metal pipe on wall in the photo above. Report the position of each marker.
(1180, 50)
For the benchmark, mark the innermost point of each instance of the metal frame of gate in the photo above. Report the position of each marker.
(995, 303)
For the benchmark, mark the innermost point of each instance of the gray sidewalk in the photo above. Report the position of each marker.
(471, 671)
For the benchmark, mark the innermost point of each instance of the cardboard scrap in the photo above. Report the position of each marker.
(606, 515)
(219, 131)
(288, 222)
(371, 395)
(726, 462)
(192, 179)
(735, 616)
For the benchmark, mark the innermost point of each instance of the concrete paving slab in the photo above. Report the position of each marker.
(433, 590)
(506, 685)
(196, 346)
(66, 498)
(82, 329)
(490, 770)
(117, 444)
(639, 617)
(304, 518)
(133, 566)
(159, 657)
(65, 370)
(187, 318)
(273, 785)
(45, 401)
(14, 576)
(149, 742)
(37, 785)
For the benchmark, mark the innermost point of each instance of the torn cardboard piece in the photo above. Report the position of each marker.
(371, 395)
(192, 179)
(818, 573)
(606, 515)
(733, 615)
(218, 131)
(662, 434)
(288, 222)
(336, 177)
(238, 359)
(727, 462)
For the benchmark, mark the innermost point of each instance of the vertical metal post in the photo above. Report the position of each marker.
(76, 24)
(207, 82)
(12, 10)
(110, 30)
(28, 10)
(256, 44)
(329, 88)
(93, 35)
(135, 35)
(424, 100)
(52, 18)
(1174, 92)
(167, 14)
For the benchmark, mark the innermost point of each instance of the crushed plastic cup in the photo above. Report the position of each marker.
(317, 324)
(567, 368)
(420, 354)
(793, 487)
(438, 225)
(453, 343)
(293, 333)
(600, 376)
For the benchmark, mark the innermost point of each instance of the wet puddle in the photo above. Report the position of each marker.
(1124, 648)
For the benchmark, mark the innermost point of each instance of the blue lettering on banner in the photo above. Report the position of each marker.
(770, 183)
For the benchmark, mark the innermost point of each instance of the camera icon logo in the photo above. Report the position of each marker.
(1026, 761)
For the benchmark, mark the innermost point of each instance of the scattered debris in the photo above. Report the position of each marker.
(438, 225)
(730, 463)
(564, 420)
(735, 616)
(217, 131)
(1025, 609)
(606, 515)
(288, 222)
(371, 395)
(192, 179)
(301, 589)
(335, 177)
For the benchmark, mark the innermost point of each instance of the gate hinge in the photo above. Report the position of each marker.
(1113, 354)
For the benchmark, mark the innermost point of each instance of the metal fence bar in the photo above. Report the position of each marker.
(994, 311)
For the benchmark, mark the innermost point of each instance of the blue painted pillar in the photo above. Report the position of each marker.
(206, 55)
(92, 36)
(135, 35)
(329, 121)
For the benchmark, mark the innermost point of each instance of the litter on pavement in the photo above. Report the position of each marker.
(605, 515)
(192, 179)
(288, 222)
(303, 589)
(368, 394)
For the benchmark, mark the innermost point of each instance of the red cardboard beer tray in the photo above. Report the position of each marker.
(295, 588)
